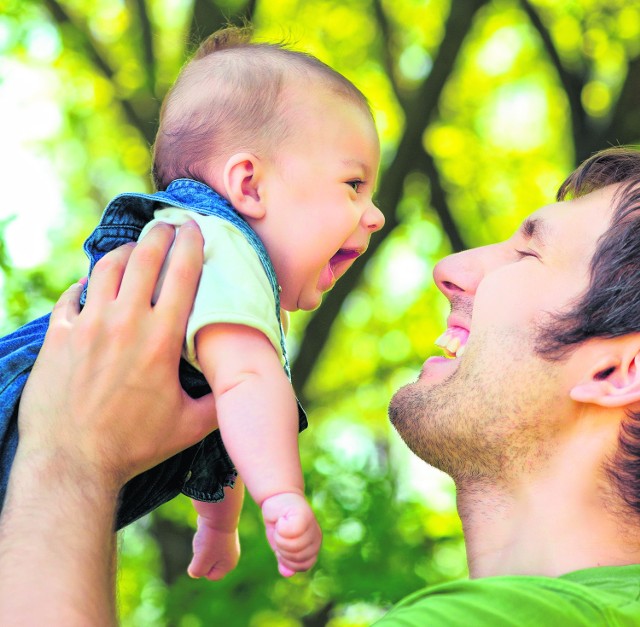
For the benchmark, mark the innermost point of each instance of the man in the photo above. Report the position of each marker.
(533, 418)
(537, 416)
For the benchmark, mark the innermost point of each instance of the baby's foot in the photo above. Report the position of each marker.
(215, 552)
(293, 532)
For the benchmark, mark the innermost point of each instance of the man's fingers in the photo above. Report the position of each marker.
(198, 420)
(183, 274)
(107, 276)
(145, 265)
(67, 307)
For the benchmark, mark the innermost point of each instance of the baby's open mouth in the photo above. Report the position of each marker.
(453, 341)
(341, 261)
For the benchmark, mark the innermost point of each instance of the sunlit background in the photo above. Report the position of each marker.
(482, 107)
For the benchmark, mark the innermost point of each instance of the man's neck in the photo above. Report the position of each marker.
(553, 523)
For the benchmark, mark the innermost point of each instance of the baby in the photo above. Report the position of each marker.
(275, 156)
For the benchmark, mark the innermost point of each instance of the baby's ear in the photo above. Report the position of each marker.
(613, 380)
(242, 176)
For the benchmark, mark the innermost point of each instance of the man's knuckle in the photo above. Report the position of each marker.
(57, 334)
(182, 270)
(124, 331)
(108, 263)
(147, 255)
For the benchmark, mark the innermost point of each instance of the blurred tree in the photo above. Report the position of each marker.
(482, 106)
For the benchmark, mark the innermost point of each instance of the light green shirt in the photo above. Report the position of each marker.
(233, 288)
(608, 596)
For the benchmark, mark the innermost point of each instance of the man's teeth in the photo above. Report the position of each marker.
(451, 345)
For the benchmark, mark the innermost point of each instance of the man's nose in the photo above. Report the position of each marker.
(373, 218)
(461, 273)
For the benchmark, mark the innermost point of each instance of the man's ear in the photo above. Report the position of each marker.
(613, 380)
(242, 178)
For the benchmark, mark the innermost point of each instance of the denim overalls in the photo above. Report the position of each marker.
(201, 471)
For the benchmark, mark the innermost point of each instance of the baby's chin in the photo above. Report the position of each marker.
(309, 305)
(303, 302)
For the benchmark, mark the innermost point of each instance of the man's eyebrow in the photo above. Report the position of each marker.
(535, 229)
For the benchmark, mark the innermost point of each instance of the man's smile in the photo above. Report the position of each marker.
(453, 341)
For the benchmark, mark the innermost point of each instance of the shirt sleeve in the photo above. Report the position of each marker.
(233, 288)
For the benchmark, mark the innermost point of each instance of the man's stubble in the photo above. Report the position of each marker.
(491, 419)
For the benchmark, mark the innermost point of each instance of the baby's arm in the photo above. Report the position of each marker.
(216, 547)
(258, 419)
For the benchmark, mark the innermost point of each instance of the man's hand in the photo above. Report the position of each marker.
(102, 404)
(104, 390)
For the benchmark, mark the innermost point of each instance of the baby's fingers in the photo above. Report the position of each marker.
(311, 536)
(296, 523)
(289, 565)
(284, 571)
(297, 529)
(299, 552)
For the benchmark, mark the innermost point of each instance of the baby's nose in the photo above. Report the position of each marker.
(374, 219)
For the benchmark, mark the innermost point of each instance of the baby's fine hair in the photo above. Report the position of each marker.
(228, 97)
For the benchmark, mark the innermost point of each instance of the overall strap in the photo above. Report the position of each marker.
(127, 214)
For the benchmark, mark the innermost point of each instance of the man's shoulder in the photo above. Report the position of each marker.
(592, 597)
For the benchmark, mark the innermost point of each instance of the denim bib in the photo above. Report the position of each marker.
(203, 470)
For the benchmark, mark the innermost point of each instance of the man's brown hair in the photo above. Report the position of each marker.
(610, 306)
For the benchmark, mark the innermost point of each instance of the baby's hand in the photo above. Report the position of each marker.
(215, 551)
(293, 532)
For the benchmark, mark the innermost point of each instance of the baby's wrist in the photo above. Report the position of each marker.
(213, 526)
(293, 493)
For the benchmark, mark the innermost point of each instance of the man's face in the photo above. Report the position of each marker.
(493, 407)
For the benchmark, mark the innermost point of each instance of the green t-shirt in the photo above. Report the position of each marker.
(606, 596)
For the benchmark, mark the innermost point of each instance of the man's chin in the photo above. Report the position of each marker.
(406, 409)
(416, 412)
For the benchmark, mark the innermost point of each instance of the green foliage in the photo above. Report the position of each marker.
(369, 529)
(482, 108)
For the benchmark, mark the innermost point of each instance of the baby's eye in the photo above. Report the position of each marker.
(526, 253)
(355, 184)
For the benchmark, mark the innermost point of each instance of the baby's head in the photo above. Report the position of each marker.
(289, 142)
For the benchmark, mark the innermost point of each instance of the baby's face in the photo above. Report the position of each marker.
(318, 194)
